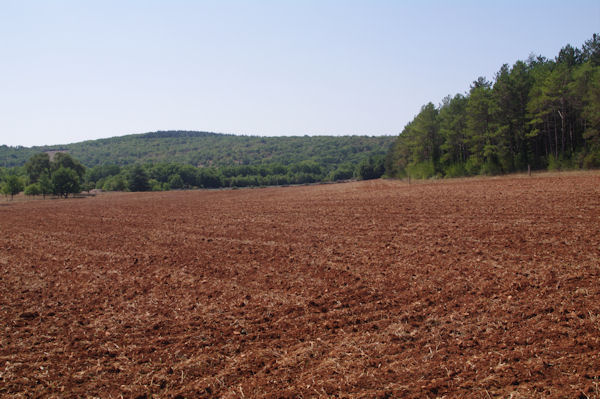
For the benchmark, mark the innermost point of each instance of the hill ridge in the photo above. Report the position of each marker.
(203, 148)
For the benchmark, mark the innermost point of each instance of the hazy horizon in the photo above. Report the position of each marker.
(76, 71)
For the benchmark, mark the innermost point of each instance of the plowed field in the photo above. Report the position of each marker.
(476, 288)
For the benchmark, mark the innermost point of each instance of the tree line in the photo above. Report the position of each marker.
(186, 159)
(64, 175)
(60, 176)
(536, 114)
(172, 176)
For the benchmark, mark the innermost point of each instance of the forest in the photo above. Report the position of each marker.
(536, 114)
(205, 149)
(169, 160)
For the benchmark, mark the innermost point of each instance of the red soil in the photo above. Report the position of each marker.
(476, 288)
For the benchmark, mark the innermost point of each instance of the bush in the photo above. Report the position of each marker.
(33, 189)
(491, 168)
(560, 163)
(88, 186)
(342, 173)
(209, 178)
(115, 183)
(473, 166)
(370, 168)
(455, 170)
(176, 182)
(591, 160)
(422, 170)
(155, 185)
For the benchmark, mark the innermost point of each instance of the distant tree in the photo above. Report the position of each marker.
(115, 183)
(155, 185)
(210, 178)
(12, 185)
(36, 165)
(33, 189)
(569, 55)
(65, 160)
(63, 175)
(310, 167)
(453, 124)
(189, 175)
(88, 186)
(591, 113)
(45, 184)
(555, 98)
(162, 171)
(137, 179)
(426, 140)
(176, 182)
(96, 173)
(370, 168)
(591, 50)
(343, 172)
(481, 141)
(65, 181)
(507, 143)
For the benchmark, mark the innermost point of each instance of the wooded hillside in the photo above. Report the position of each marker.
(183, 159)
(210, 149)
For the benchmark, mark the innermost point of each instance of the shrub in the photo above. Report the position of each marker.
(491, 168)
(591, 160)
(175, 182)
(33, 189)
(422, 170)
(455, 170)
(473, 166)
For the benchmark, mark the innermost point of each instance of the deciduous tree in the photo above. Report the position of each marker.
(37, 165)
(137, 179)
(12, 186)
(65, 181)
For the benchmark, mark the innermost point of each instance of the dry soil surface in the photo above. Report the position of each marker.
(476, 288)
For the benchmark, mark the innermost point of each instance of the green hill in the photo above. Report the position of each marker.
(210, 149)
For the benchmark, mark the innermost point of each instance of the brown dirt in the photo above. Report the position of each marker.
(477, 288)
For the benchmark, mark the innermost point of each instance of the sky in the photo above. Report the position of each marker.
(81, 70)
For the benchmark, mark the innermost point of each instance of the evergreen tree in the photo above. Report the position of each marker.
(510, 93)
(453, 124)
(590, 51)
(591, 114)
(538, 113)
(480, 141)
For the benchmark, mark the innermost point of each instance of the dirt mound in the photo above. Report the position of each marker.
(465, 288)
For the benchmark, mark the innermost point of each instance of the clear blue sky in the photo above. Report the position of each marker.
(78, 70)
